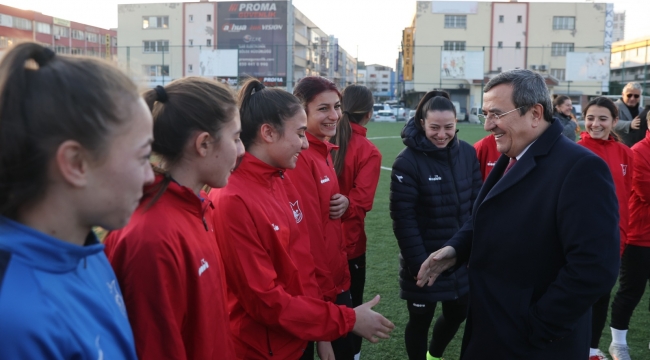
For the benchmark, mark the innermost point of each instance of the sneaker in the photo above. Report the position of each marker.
(619, 352)
(599, 356)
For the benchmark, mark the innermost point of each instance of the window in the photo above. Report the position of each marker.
(92, 51)
(61, 31)
(155, 22)
(43, 28)
(373, 75)
(209, 17)
(560, 49)
(22, 24)
(518, 45)
(78, 34)
(61, 50)
(77, 51)
(500, 44)
(92, 37)
(519, 19)
(500, 18)
(156, 46)
(6, 20)
(6, 42)
(385, 76)
(208, 42)
(189, 68)
(456, 21)
(454, 46)
(558, 74)
(564, 22)
(384, 90)
(156, 70)
(384, 82)
(191, 18)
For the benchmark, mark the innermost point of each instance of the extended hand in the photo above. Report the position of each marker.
(435, 265)
(636, 123)
(324, 350)
(338, 205)
(371, 325)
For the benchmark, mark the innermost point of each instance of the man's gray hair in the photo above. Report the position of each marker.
(632, 86)
(528, 88)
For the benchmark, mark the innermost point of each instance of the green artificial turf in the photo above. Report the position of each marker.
(383, 266)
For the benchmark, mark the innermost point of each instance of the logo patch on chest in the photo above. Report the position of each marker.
(204, 266)
(624, 168)
(435, 178)
(324, 179)
(297, 213)
(112, 288)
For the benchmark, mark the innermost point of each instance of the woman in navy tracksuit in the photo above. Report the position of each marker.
(434, 183)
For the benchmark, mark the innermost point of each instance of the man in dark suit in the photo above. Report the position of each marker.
(542, 243)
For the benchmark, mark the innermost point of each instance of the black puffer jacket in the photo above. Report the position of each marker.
(432, 191)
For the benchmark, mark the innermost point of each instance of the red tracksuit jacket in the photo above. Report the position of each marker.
(487, 153)
(639, 231)
(274, 299)
(169, 267)
(619, 159)
(358, 181)
(316, 181)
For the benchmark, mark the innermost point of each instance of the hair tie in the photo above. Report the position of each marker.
(258, 87)
(161, 94)
(43, 57)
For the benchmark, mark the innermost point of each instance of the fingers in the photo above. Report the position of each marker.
(370, 304)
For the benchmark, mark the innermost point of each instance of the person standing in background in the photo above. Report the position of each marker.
(487, 154)
(629, 122)
(563, 111)
(357, 163)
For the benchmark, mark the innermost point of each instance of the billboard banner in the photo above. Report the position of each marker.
(258, 30)
(591, 66)
(218, 62)
(466, 65)
(407, 50)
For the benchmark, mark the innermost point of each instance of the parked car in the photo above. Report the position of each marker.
(473, 116)
(463, 114)
(411, 114)
(379, 107)
(400, 112)
(385, 115)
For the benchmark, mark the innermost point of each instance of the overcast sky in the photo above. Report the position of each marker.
(371, 27)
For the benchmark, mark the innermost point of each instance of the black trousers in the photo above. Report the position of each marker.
(416, 333)
(634, 275)
(598, 319)
(343, 347)
(357, 284)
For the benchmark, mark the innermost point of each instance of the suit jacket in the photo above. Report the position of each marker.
(541, 248)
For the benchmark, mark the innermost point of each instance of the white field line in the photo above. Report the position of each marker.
(386, 168)
(384, 137)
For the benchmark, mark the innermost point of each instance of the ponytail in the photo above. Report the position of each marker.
(46, 99)
(435, 100)
(356, 103)
(260, 105)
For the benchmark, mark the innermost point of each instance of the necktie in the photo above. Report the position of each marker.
(512, 163)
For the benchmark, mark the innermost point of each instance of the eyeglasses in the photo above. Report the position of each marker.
(636, 96)
(494, 117)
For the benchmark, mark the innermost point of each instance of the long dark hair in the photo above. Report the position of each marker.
(558, 101)
(46, 99)
(356, 103)
(609, 105)
(179, 110)
(259, 105)
(435, 100)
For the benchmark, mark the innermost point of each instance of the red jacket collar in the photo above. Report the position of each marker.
(179, 195)
(322, 147)
(358, 129)
(584, 136)
(257, 170)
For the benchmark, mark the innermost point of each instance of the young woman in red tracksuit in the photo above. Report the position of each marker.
(276, 306)
(167, 260)
(357, 163)
(487, 154)
(635, 272)
(601, 115)
(319, 189)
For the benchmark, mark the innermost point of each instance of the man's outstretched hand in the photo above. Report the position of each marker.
(435, 265)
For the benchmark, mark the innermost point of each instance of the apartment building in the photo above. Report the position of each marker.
(265, 39)
(630, 62)
(63, 36)
(458, 46)
(379, 79)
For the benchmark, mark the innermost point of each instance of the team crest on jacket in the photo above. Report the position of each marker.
(624, 167)
(297, 213)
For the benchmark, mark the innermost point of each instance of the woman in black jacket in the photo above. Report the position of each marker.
(563, 109)
(434, 183)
